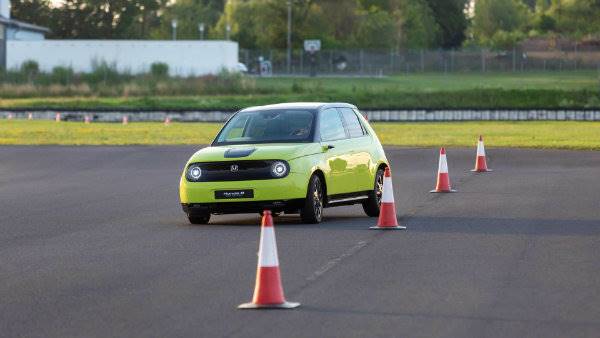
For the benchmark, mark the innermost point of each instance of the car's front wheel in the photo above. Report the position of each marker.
(371, 206)
(203, 218)
(312, 212)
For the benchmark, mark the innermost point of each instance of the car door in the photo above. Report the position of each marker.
(360, 158)
(337, 151)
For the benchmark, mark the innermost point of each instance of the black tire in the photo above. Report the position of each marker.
(371, 205)
(312, 212)
(199, 218)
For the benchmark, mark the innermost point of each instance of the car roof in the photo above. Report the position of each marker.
(300, 105)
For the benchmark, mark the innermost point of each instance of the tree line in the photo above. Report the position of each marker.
(262, 24)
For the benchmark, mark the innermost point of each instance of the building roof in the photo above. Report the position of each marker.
(23, 25)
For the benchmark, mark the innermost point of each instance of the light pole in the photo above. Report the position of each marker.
(289, 36)
(201, 30)
(2, 47)
(227, 31)
(174, 26)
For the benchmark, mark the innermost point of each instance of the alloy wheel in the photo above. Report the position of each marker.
(318, 199)
(379, 188)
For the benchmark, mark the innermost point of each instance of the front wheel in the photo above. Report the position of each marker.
(312, 212)
(203, 218)
(371, 206)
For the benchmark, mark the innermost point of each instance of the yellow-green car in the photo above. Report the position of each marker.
(290, 158)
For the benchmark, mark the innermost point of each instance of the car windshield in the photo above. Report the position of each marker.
(268, 126)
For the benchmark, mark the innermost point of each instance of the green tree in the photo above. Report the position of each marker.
(94, 19)
(386, 5)
(452, 21)
(263, 23)
(32, 11)
(188, 13)
(72, 21)
(418, 27)
(255, 24)
(503, 17)
(544, 23)
(576, 18)
(241, 16)
(376, 29)
(332, 21)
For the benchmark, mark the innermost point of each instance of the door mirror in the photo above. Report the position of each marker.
(328, 147)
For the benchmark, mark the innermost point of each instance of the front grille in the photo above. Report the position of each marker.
(224, 171)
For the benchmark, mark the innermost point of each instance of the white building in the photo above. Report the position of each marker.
(184, 57)
(20, 42)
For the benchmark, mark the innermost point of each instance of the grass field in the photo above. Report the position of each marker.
(433, 82)
(436, 91)
(552, 135)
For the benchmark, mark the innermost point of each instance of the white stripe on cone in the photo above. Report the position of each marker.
(388, 191)
(267, 253)
(480, 149)
(443, 165)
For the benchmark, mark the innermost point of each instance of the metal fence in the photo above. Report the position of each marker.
(413, 115)
(380, 62)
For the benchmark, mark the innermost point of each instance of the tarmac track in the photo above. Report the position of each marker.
(93, 243)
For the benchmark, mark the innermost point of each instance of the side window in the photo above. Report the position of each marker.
(362, 125)
(330, 125)
(352, 122)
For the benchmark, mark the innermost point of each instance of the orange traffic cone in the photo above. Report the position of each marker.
(268, 292)
(57, 117)
(30, 116)
(167, 121)
(480, 162)
(125, 119)
(86, 119)
(443, 179)
(387, 211)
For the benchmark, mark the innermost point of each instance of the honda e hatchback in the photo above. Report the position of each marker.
(293, 158)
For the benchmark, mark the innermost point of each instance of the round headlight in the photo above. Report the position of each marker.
(194, 172)
(279, 169)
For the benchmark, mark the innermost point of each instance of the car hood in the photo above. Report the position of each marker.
(255, 152)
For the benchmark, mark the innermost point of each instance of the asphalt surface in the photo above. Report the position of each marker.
(93, 243)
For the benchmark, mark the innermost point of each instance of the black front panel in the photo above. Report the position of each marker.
(230, 207)
(235, 171)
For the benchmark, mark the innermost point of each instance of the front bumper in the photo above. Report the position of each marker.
(242, 207)
(290, 187)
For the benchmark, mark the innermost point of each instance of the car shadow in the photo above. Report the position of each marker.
(293, 221)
